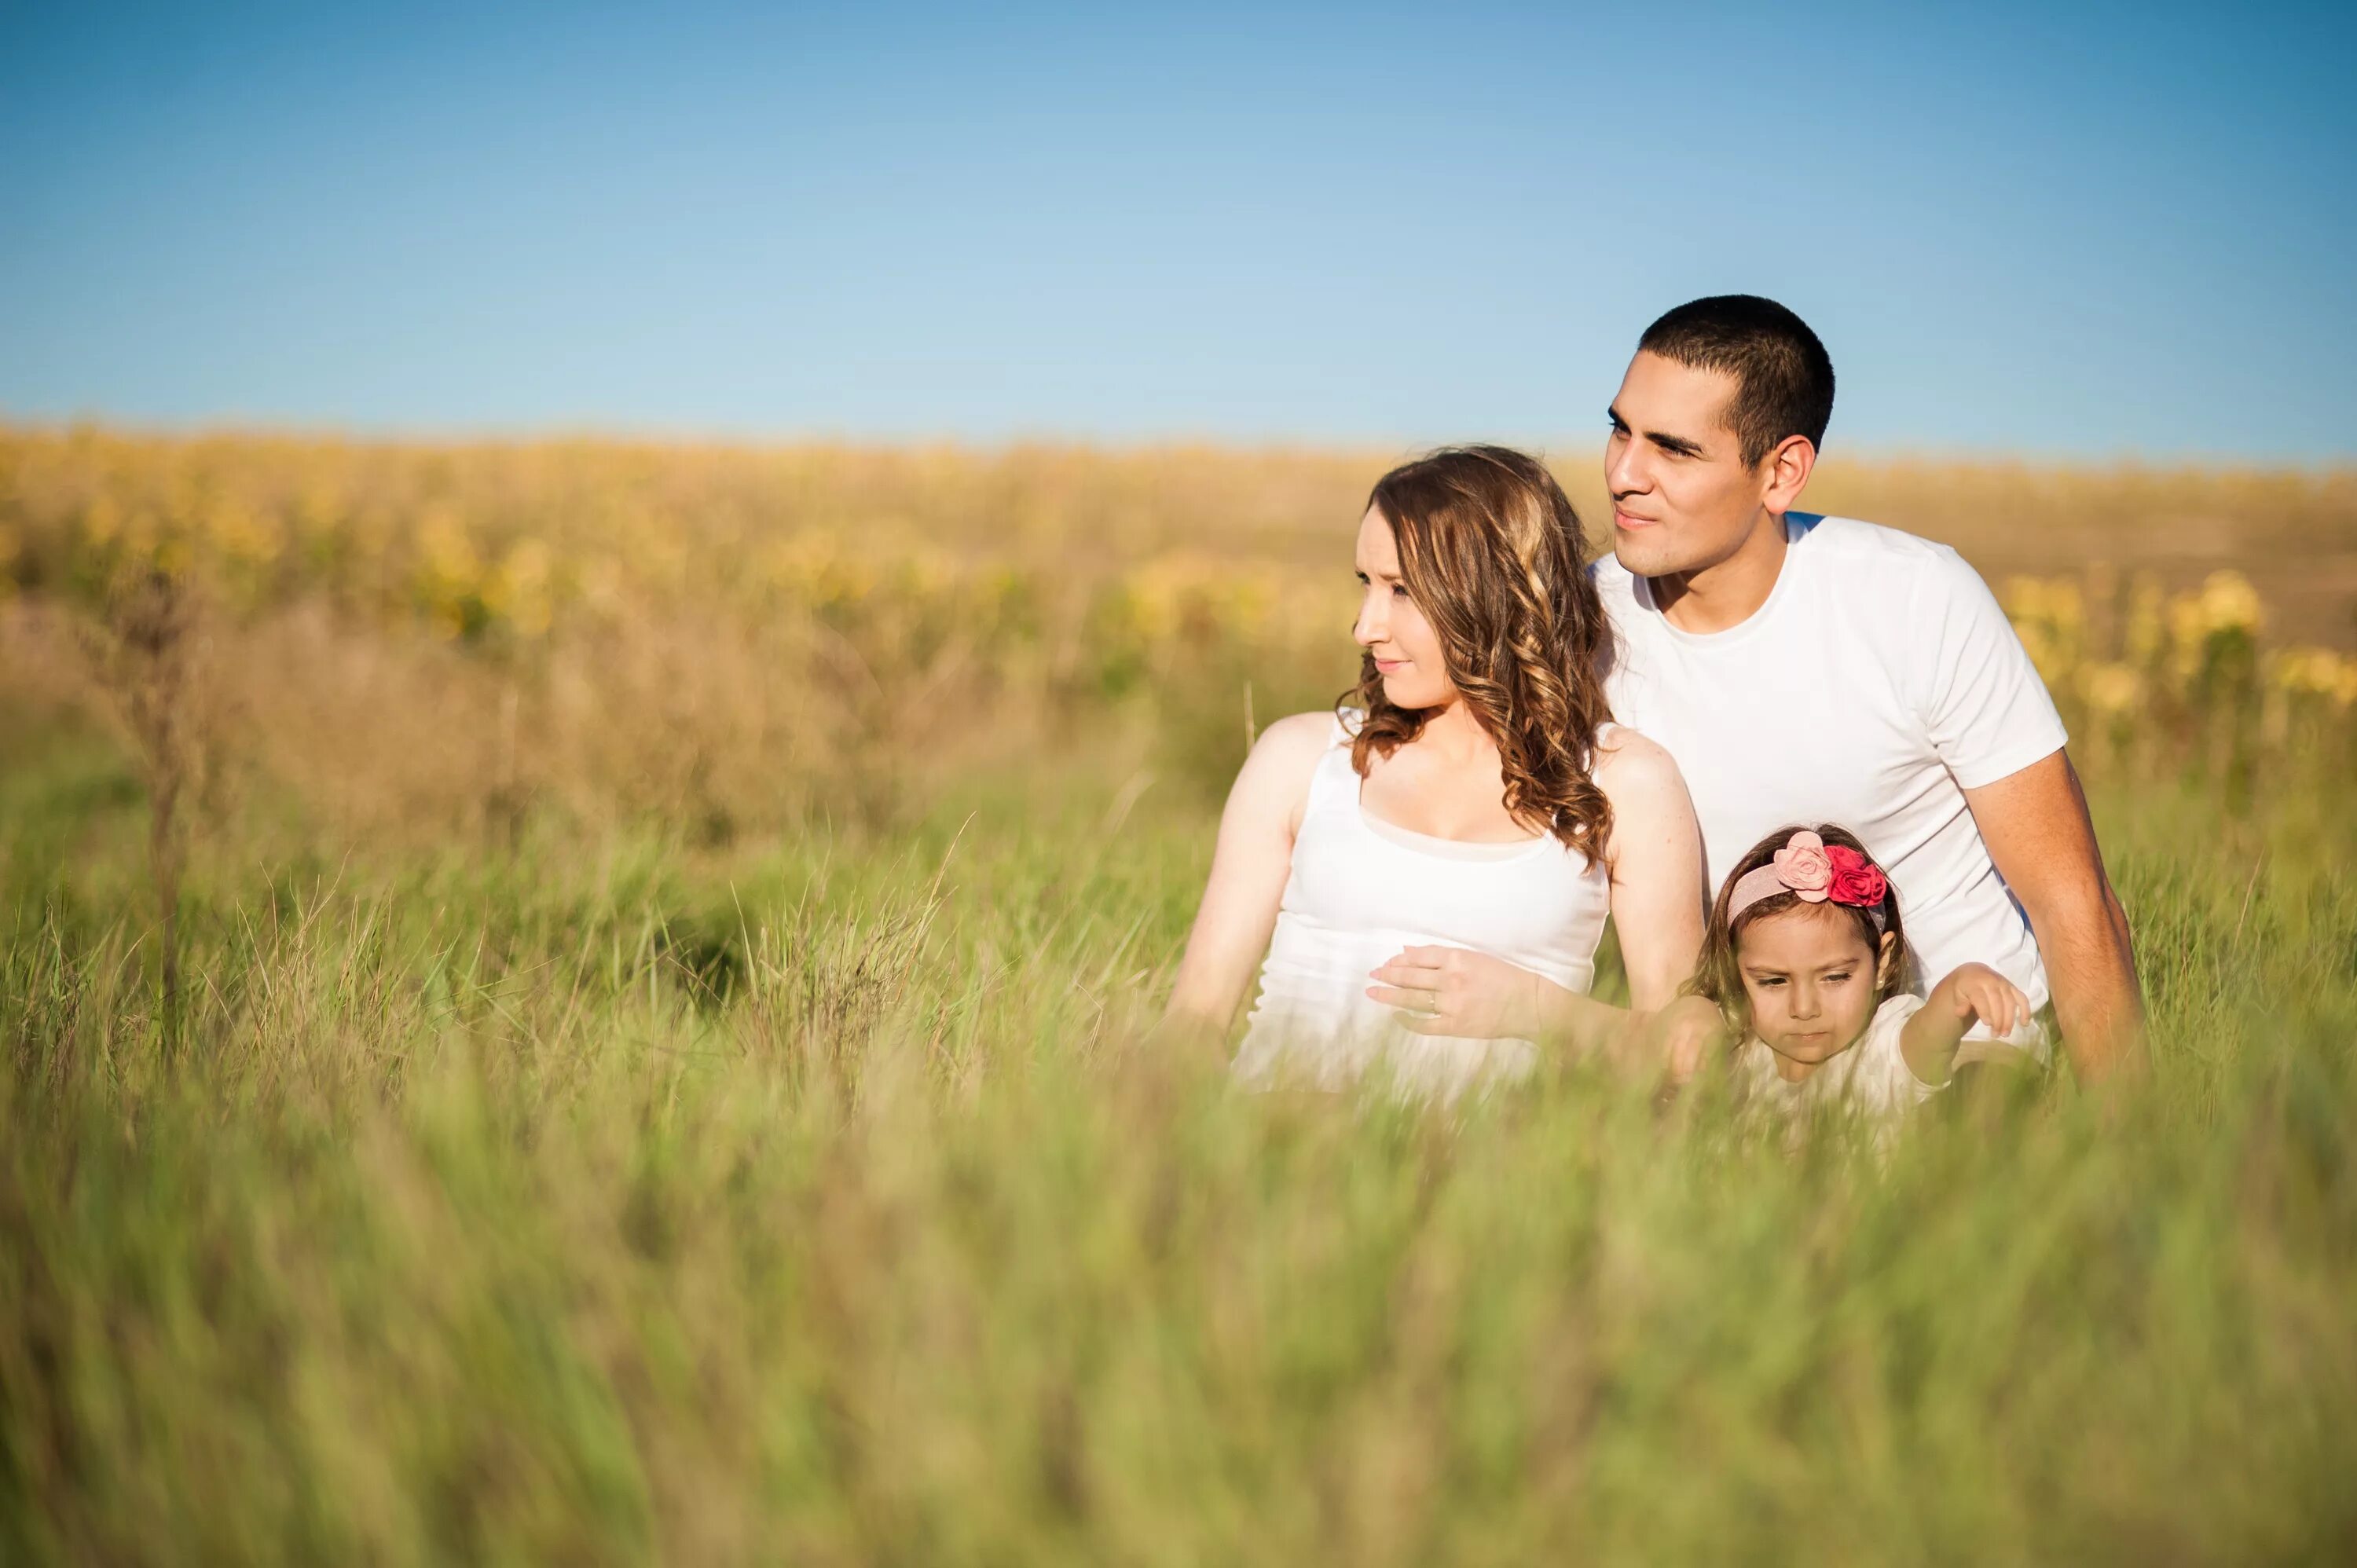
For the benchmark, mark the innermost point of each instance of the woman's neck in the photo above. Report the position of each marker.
(1451, 733)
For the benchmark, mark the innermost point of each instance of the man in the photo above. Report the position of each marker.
(1803, 669)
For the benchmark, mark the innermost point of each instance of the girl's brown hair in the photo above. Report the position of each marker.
(1719, 976)
(1491, 552)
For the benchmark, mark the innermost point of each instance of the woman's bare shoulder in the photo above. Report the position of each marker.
(1631, 766)
(1285, 756)
(1298, 734)
(1294, 741)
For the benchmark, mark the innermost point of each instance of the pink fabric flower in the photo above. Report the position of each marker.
(1802, 866)
(1855, 879)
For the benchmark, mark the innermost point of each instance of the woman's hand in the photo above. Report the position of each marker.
(1454, 990)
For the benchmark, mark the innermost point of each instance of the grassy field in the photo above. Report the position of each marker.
(659, 1060)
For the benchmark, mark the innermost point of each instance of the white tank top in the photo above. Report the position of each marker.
(1362, 889)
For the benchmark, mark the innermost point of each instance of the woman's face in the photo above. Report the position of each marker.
(1390, 626)
(1809, 977)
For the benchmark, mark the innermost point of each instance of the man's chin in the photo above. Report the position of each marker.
(1641, 554)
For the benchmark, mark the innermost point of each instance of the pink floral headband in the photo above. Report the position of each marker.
(1813, 872)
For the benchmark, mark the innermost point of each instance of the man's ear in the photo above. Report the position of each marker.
(1787, 469)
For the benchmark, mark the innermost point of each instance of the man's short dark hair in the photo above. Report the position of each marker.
(1783, 377)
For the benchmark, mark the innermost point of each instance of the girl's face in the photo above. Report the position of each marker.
(1390, 626)
(1809, 977)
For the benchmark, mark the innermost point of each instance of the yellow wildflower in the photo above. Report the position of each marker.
(2110, 688)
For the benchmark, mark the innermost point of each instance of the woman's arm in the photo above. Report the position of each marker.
(1655, 858)
(1658, 896)
(1253, 856)
(1972, 992)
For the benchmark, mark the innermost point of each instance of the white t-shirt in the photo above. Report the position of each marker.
(1871, 1079)
(1878, 683)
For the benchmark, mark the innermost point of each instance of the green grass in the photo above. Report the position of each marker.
(822, 1199)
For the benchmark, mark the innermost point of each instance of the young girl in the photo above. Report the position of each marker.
(1805, 958)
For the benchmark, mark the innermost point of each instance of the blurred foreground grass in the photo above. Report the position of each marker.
(673, 1084)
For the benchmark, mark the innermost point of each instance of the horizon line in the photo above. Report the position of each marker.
(652, 434)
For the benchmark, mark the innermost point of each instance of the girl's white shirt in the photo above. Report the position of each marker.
(1360, 890)
(1870, 1079)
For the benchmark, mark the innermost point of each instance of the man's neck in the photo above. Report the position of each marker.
(1728, 592)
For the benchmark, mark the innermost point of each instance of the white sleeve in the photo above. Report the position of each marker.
(1988, 711)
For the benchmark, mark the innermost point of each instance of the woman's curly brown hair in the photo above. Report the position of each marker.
(1491, 550)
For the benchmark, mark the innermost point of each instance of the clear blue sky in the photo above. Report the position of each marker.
(2124, 230)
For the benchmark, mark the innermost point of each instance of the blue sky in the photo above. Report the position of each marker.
(2095, 231)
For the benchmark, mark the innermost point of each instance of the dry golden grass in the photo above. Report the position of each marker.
(430, 639)
(529, 530)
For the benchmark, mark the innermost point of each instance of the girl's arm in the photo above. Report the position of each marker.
(1249, 867)
(1656, 865)
(1974, 992)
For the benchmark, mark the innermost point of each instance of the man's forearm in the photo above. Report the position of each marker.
(2091, 969)
(2042, 839)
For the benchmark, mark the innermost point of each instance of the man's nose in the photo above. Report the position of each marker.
(1804, 1002)
(1625, 471)
(1373, 623)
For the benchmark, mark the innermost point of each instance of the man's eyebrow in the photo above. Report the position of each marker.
(1666, 442)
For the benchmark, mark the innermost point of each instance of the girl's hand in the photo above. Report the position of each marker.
(1977, 991)
(1687, 1033)
(1454, 990)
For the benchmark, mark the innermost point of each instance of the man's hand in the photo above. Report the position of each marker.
(1454, 990)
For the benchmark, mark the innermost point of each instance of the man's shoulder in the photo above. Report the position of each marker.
(1843, 544)
(1872, 546)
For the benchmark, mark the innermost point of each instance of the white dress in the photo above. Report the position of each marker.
(1362, 889)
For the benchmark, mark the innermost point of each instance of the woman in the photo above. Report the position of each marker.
(1427, 870)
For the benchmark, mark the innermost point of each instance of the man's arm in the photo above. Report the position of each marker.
(2039, 833)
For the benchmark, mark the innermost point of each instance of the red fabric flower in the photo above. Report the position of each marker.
(1855, 879)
